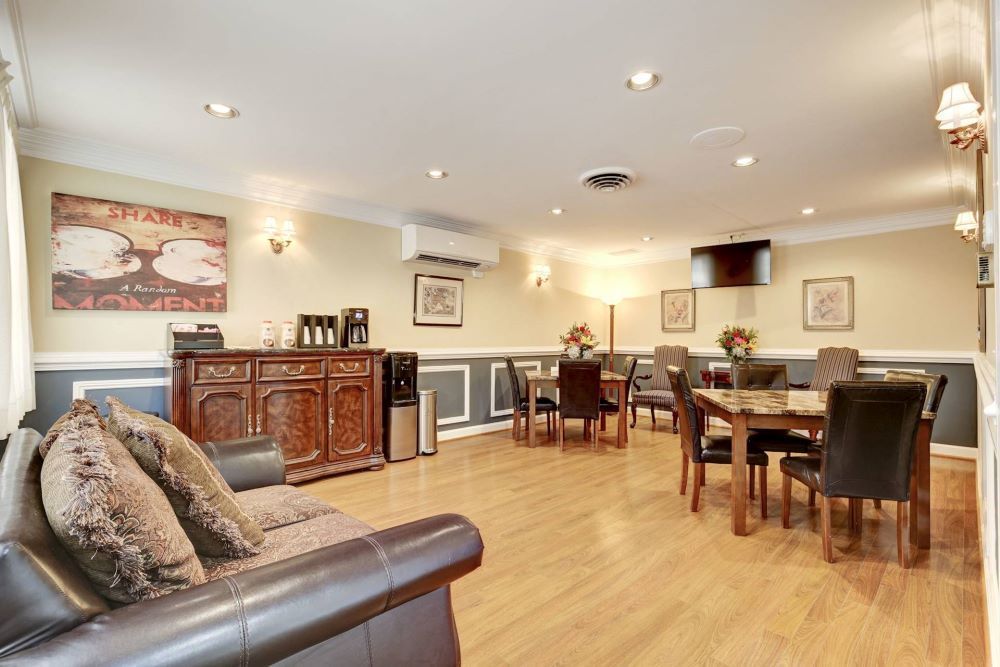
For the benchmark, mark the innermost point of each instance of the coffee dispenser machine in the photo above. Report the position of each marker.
(355, 333)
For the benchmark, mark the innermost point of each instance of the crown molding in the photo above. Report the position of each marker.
(60, 147)
(12, 49)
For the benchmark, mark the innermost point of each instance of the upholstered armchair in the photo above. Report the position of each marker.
(660, 395)
(832, 363)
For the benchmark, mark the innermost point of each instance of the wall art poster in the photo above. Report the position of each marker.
(677, 310)
(828, 303)
(109, 255)
(437, 301)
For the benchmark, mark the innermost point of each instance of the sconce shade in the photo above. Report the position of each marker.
(957, 102)
(965, 221)
(954, 121)
(271, 226)
(288, 229)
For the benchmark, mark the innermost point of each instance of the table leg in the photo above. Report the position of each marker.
(532, 390)
(738, 490)
(622, 430)
(920, 489)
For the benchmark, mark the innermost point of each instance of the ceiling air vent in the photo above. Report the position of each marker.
(984, 269)
(608, 179)
(624, 253)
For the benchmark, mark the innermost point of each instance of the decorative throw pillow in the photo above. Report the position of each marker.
(205, 505)
(113, 519)
(82, 409)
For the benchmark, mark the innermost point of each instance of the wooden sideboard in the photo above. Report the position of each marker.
(324, 407)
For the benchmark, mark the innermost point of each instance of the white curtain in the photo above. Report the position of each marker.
(17, 375)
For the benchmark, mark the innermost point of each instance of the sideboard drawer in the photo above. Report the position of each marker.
(303, 368)
(221, 371)
(349, 366)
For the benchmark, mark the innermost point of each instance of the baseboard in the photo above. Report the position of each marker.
(479, 429)
(953, 451)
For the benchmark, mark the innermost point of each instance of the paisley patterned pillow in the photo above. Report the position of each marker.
(82, 409)
(113, 519)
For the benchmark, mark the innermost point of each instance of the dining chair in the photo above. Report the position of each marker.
(579, 396)
(612, 405)
(660, 394)
(870, 431)
(767, 377)
(702, 449)
(520, 403)
(832, 363)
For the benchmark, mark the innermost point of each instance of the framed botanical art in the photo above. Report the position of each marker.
(828, 304)
(677, 310)
(438, 301)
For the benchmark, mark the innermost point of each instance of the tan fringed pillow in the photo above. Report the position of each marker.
(205, 505)
(82, 409)
(113, 519)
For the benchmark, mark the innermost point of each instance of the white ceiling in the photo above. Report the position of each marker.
(356, 100)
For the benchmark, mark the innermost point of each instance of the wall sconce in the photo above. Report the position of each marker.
(966, 223)
(542, 274)
(959, 115)
(279, 241)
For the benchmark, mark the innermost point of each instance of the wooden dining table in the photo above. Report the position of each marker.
(609, 380)
(745, 409)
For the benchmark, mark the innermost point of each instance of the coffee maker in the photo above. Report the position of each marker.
(355, 333)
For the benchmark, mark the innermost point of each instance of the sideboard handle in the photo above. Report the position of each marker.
(329, 425)
(216, 374)
(298, 371)
(258, 424)
(345, 369)
(249, 425)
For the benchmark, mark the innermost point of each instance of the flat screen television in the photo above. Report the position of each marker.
(731, 264)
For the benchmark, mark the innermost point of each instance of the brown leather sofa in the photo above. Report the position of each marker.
(381, 599)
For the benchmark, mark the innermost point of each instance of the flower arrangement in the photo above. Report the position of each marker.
(738, 343)
(579, 341)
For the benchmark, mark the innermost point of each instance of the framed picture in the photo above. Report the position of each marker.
(111, 255)
(828, 304)
(437, 301)
(677, 309)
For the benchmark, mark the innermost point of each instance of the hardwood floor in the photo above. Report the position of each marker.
(595, 559)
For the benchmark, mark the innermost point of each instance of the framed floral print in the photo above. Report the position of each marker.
(438, 301)
(677, 310)
(828, 304)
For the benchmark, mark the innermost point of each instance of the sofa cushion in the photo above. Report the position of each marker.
(291, 540)
(113, 519)
(81, 409)
(276, 506)
(204, 503)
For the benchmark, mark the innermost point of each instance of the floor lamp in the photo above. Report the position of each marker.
(611, 302)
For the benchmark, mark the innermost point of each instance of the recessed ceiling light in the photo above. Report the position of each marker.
(642, 80)
(808, 211)
(436, 174)
(745, 161)
(221, 110)
(557, 211)
(647, 238)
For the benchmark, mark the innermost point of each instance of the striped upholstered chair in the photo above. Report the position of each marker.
(660, 395)
(832, 363)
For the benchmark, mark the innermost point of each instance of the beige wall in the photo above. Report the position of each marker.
(914, 290)
(332, 264)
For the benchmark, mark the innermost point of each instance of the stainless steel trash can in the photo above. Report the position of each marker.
(427, 435)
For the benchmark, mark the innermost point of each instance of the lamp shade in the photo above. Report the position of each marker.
(288, 229)
(611, 299)
(957, 102)
(270, 226)
(953, 121)
(965, 221)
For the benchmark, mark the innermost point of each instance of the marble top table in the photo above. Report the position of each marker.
(744, 409)
(609, 380)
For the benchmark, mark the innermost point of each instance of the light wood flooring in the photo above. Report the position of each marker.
(595, 559)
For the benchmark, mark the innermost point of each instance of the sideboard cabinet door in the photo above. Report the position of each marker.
(350, 406)
(295, 414)
(221, 412)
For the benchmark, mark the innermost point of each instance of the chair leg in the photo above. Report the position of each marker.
(763, 492)
(684, 473)
(562, 431)
(516, 426)
(604, 426)
(812, 498)
(752, 471)
(635, 414)
(854, 515)
(696, 488)
(673, 415)
(903, 534)
(824, 505)
(702, 480)
(786, 500)
(878, 503)
(652, 415)
(593, 435)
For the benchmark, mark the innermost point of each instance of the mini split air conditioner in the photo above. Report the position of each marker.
(430, 245)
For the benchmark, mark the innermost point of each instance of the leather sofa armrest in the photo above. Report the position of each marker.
(264, 615)
(248, 463)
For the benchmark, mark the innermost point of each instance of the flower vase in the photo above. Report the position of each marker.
(587, 354)
(573, 352)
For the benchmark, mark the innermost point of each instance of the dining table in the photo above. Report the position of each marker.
(538, 379)
(745, 409)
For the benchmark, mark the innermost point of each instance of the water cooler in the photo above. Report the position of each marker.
(399, 405)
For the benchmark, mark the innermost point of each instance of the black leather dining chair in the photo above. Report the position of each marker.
(520, 403)
(870, 431)
(701, 449)
(609, 405)
(579, 396)
(760, 376)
